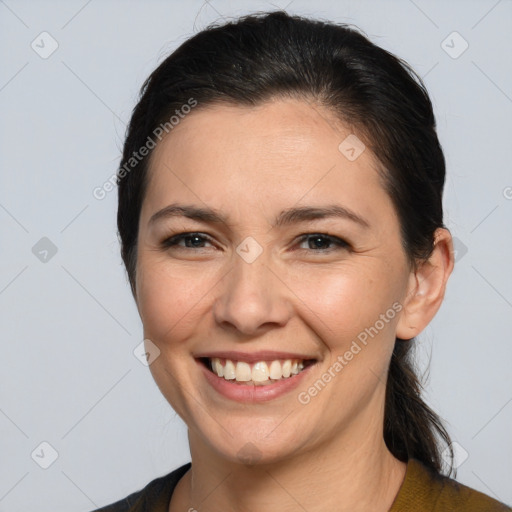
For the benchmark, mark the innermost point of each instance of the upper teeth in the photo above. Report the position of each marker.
(259, 372)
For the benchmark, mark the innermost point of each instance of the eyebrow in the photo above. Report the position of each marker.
(286, 217)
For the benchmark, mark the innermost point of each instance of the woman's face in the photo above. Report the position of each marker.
(247, 286)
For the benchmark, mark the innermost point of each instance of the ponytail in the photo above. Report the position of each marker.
(411, 429)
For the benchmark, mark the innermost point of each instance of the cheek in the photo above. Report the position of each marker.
(346, 304)
(169, 300)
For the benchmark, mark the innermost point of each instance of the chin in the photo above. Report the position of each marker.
(251, 443)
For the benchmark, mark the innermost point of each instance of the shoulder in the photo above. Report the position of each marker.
(425, 490)
(156, 494)
(456, 496)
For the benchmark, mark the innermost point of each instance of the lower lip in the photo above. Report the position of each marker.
(249, 392)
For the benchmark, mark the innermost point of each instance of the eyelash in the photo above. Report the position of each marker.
(175, 239)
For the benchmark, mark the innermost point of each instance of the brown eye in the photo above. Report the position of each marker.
(187, 240)
(320, 242)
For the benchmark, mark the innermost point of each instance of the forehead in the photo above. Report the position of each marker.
(278, 153)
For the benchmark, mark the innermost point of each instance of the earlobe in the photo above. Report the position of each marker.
(426, 287)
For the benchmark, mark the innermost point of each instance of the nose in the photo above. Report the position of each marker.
(253, 298)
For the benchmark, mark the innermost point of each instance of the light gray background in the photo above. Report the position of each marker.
(69, 325)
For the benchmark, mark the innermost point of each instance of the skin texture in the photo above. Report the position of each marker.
(249, 164)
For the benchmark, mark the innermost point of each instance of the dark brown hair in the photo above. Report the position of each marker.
(268, 55)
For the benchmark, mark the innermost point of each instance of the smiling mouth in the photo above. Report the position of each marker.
(260, 373)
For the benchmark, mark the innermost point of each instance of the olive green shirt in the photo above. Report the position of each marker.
(421, 491)
(424, 490)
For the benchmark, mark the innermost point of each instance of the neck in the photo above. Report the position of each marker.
(353, 476)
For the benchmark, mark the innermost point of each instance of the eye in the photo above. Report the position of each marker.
(190, 241)
(316, 242)
(320, 242)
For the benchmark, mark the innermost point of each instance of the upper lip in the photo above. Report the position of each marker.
(253, 357)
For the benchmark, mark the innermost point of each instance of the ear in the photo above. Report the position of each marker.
(426, 287)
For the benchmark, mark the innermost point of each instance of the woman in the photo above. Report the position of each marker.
(280, 215)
